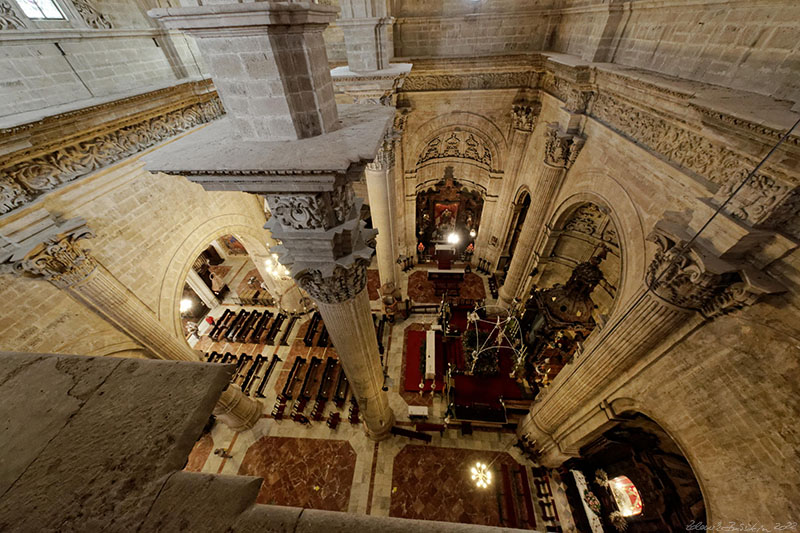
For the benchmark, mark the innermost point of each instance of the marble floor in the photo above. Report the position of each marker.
(316, 467)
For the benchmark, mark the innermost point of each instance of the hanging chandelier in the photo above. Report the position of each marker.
(275, 269)
(481, 475)
(505, 334)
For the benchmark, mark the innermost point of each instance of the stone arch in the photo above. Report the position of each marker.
(625, 406)
(242, 227)
(473, 123)
(594, 186)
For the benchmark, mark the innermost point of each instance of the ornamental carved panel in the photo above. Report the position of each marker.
(9, 20)
(342, 285)
(457, 144)
(21, 182)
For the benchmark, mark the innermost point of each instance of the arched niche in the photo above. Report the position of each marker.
(242, 227)
(634, 450)
(580, 232)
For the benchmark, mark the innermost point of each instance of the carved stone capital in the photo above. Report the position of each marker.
(561, 149)
(343, 284)
(693, 278)
(385, 158)
(92, 16)
(57, 258)
(524, 115)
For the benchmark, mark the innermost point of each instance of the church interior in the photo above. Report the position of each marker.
(400, 265)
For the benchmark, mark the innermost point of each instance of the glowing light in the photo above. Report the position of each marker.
(186, 305)
(626, 495)
(472, 233)
(452, 238)
(481, 475)
(274, 268)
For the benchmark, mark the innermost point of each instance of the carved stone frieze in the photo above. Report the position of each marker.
(457, 144)
(92, 16)
(9, 20)
(342, 285)
(472, 80)
(576, 97)
(385, 158)
(59, 259)
(763, 197)
(25, 180)
(561, 149)
(730, 299)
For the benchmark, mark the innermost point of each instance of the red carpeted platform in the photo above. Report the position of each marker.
(415, 341)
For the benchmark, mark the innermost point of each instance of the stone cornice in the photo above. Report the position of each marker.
(60, 149)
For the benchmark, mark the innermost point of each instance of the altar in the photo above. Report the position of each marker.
(446, 280)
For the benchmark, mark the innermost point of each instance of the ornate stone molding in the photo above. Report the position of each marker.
(9, 20)
(576, 97)
(342, 285)
(693, 278)
(23, 181)
(766, 200)
(57, 259)
(561, 149)
(471, 80)
(385, 158)
(92, 16)
(312, 211)
(457, 144)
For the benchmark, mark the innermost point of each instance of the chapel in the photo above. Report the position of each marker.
(399, 265)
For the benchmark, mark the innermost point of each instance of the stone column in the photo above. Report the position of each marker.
(269, 64)
(561, 150)
(682, 288)
(367, 34)
(524, 112)
(202, 290)
(54, 255)
(328, 249)
(380, 206)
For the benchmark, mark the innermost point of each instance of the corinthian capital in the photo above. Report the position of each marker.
(524, 115)
(561, 149)
(53, 255)
(693, 278)
(343, 284)
(385, 158)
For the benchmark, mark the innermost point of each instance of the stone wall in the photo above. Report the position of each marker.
(450, 28)
(739, 44)
(149, 229)
(113, 48)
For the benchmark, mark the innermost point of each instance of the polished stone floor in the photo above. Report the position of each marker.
(316, 467)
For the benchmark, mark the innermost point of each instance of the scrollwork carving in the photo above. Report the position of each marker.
(9, 20)
(342, 285)
(24, 181)
(59, 259)
(478, 80)
(523, 116)
(92, 16)
(462, 145)
(299, 212)
(678, 276)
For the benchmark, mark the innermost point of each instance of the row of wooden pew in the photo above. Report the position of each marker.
(311, 332)
(256, 327)
(322, 383)
(248, 370)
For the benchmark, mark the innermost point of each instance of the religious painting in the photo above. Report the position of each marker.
(232, 245)
(445, 217)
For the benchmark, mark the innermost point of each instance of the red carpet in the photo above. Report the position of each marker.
(415, 340)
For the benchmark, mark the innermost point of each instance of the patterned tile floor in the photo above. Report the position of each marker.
(316, 467)
(309, 473)
(435, 482)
